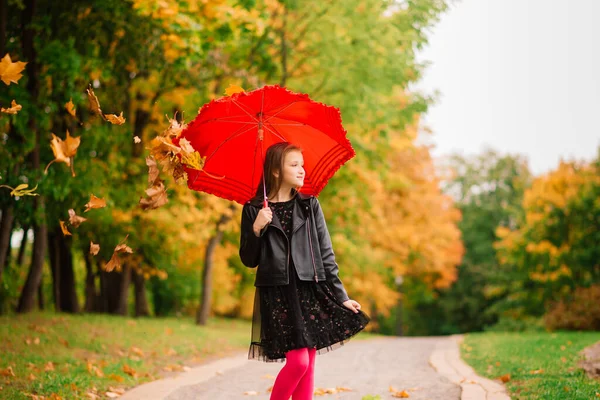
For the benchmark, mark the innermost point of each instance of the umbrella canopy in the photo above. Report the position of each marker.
(234, 132)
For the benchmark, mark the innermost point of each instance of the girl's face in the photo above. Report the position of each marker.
(293, 169)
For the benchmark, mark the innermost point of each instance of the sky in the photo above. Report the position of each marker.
(519, 76)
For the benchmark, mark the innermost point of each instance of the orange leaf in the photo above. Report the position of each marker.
(7, 372)
(74, 219)
(129, 371)
(64, 151)
(94, 248)
(70, 107)
(232, 89)
(504, 378)
(95, 202)
(93, 100)
(157, 196)
(401, 395)
(152, 170)
(49, 366)
(11, 71)
(64, 229)
(14, 108)
(114, 119)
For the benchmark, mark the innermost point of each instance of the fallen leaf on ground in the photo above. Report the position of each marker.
(8, 371)
(10, 72)
(504, 378)
(13, 109)
(129, 371)
(49, 366)
(95, 202)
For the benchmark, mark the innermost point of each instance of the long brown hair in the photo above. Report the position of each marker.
(274, 158)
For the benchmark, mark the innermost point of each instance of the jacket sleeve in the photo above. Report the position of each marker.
(331, 267)
(250, 244)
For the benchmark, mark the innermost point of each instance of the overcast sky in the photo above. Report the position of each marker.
(518, 76)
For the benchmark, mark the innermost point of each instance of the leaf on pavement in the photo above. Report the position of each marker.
(95, 202)
(74, 219)
(13, 109)
(10, 72)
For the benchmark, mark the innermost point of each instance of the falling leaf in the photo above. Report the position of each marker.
(129, 371)
(95, 202)
(114, 119)
(21, 190)
(115, 262)
(93, 101)
(136, 139)
(157, 196)
(64, 229)
(232, 89)
(70, 107)
(11, 71)
(94, 248)
(152, 170)
(13, 109)
(64, 151)
(74, 219)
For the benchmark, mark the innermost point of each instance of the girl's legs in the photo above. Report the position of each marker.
(306, 386)
(295, 367)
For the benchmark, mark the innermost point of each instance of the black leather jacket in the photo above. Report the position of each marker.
(310, 245)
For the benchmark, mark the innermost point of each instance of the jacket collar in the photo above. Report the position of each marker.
(299, 214)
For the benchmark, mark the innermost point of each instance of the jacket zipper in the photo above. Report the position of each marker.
(288, 250)
(311, 249)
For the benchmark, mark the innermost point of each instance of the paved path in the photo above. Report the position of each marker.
(369, 367)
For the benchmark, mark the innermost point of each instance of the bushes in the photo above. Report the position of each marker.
(580, 312)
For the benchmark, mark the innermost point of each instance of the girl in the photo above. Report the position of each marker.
(300, 306)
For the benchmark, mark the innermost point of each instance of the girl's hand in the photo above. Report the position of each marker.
(263, 218)
(353, 305)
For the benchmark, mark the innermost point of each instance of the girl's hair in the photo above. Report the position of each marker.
(274, 162)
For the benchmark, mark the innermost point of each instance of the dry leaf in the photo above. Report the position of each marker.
(136, 139)
(536, 371)
(70, 107)
(251, 393)
(129, 371)
(401, 395)
(21, 190)
(186, 146)
(74, 219)
(115, 262)
(114, 119)
(49, 366)
(32, 377)
(64, 151)
(232, 89)
(94, 248)
(10, 72)
(136, 351)
(64, 229)
(7, 372)
(112, 395)
(116, 377)
(152, 170)
(157, 196)
(94, 370)
(13, 109)
(93, 101)
(116, 390)
(63, 342)
(504, 378)
(95, 202)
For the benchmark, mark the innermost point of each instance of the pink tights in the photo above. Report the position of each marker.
(297, 377)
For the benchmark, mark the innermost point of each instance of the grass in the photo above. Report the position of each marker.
(72, 355)
(539, 365)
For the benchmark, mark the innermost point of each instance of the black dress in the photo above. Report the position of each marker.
(300, 314)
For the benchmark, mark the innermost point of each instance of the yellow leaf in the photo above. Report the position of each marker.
(64, 229)
(11, 71)
(114, 119)
(232, 89)
(64, 151)
(94, 248)
(21, 190)
(14, 108)
(70, 107)
(95, 202)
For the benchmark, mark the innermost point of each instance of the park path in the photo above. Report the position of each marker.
(368, 367)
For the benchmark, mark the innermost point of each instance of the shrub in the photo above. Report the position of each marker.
(580, 312)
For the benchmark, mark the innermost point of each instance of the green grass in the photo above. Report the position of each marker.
(94, 351)
(540, 365)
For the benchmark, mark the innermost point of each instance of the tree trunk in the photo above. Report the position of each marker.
(40, 296)
(91, 295)
(6, 226)
(206, 295)
(141, 301)
(67, 293)
(125, 275)
(22, 246)
(34, 277)
(54, 255)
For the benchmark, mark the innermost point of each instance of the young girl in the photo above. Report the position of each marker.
(300, 307)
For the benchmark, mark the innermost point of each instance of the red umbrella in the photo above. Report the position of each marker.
(234, 132)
